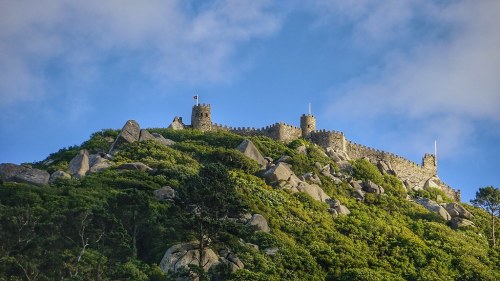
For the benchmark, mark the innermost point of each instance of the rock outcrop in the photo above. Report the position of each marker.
(160, 139)
(79, 165)
(22, 174)
(283, 176)
(278, 173)
(337, 156)
(145, 135)
(311, 178)
(98, 163)
(164, 193)
(371, 187)
(135, 166)
(458, 223)
(250, 150)
(181, 255)
(259, 222)
(434, 207)
(231, 261)
(130, 132)
(59, 175)
(177, 124)
(385, 168)
(456, 210)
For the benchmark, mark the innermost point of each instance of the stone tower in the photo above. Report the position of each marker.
(429, 163)
(201, 119)
(307, 124)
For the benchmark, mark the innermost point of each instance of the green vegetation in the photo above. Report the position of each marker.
(489, 199)
(109, 225)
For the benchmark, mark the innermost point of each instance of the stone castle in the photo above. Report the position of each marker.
(414, 176)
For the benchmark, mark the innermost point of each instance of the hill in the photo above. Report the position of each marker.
(197, 205)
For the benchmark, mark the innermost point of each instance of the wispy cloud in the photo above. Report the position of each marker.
(177, 40)
(446, 82)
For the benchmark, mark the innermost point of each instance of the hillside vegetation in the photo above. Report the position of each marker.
(109, 225)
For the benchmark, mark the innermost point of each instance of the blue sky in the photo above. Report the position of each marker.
(395, 75)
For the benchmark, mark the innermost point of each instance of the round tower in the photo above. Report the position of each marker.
(201, 118)
(307, 124)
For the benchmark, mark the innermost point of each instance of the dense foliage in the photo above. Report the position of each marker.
(109, 225)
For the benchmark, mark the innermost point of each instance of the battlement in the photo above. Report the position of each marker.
(411, 173)
(201, 117)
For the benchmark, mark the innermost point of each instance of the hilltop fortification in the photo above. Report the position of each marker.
(414, 176)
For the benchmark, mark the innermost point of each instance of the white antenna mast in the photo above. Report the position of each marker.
(435, 152)
(309, 108)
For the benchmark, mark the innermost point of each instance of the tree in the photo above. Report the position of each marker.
(488, 198)
(210, 198)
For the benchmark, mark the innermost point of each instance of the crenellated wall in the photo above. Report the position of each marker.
(278, 131)
(412, 174)
(333, 139)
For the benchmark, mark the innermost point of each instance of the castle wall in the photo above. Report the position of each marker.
(333, 139)
(414, 174)
(278, 131)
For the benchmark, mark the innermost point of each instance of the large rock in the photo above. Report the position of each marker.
(98, 163)
(357, 184)
(359, 195)
(232, 261)
(177, 124)
(457, 210)
(260, 223)
(136, 166)
(342, 210)
(434, 207)
(130, 132)
(337, 156)
(164, 193)
(314, 191)
(182, 255)
(433, 182)
(371, 187)
(79, 165)
(385, 168)
(311, 177)
(457, 223)
(22, 174)
(280, 172)
(145, 135)
(59, 175)
(250, 150)
(160, 139)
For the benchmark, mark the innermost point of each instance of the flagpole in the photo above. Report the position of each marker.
(435, 152)
(309, 108)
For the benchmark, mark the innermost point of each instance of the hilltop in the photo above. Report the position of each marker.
(146, 204)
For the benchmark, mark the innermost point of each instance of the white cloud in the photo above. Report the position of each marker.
(446, 82)
(180, 42)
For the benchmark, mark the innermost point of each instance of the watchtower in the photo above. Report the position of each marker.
(201, 118)
(429, 163)
(307, 124)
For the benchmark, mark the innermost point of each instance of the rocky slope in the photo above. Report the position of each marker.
(160, 204)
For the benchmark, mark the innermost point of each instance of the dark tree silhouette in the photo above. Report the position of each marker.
(488, 198)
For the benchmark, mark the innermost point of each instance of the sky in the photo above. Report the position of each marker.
(395, 75)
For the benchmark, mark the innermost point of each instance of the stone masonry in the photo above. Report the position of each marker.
(412, 174)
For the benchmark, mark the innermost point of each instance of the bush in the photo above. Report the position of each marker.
(364, 170)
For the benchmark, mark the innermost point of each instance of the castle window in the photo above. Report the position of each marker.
(308, 126)
(206, 114)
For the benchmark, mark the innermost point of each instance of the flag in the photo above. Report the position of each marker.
(195, 97)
